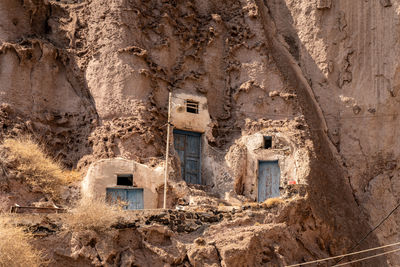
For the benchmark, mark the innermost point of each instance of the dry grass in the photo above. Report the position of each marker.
(38, 169)
(92, 214)
(251, 204)
(272, 202)
(200, 209)
(15, 250)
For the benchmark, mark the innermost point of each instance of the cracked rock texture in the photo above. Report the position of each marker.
(348, 52)
(91, 80)
(248, 236)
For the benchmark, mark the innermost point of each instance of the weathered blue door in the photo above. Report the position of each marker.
(135, 199)
(188, 147)
(128, 198)
(269, 175)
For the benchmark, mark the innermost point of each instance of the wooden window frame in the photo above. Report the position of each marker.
(192, 106)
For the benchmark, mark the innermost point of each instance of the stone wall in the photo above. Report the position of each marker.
(289, 147)
(103, 174)
(183, 120)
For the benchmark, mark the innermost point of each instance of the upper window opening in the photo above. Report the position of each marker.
(192, 106)
(125, 179)
(267, 142)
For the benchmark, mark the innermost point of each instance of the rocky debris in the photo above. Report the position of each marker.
(45, 228)
(286, 96)
(155, 238)
(140, 52)
(252, 9)
(184, 221)
(324, 4)
(11, 123)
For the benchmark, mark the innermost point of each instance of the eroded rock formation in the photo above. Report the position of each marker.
(91, 80)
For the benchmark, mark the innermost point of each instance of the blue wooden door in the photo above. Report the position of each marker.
(116, 196)
(269, 175)
(135, 199)
(188, 147)
(128, 198)
(179, 144)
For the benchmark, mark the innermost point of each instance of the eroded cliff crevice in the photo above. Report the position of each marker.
(347, 51)
(327, 172)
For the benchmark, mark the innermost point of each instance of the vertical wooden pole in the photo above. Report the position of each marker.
(167, 151)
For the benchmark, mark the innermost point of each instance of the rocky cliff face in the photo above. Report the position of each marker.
(347, 51)
(42, 88)
(91, 79)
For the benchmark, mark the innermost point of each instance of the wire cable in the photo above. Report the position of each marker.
(344, 255)
(370, 232)
(358, 243)
(369, 257)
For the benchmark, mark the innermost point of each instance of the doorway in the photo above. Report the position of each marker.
(128, 198)
(188, 146)
(269, 175)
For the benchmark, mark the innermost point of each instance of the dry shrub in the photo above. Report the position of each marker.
(94, 214)
(39, 170)
(272, 202)
(15, 249)
(251, 204)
